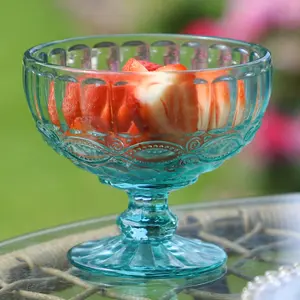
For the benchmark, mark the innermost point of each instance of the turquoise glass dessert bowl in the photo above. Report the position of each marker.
(148, 114)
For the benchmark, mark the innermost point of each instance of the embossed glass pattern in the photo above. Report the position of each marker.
(110, 123)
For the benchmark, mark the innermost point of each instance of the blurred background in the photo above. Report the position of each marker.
(40, 189)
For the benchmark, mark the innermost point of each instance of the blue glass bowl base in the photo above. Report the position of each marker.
(148, 288)
(176, 257)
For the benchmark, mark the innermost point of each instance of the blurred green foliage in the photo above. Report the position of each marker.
(172, 16)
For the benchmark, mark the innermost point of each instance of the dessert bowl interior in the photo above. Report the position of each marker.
(131, 127)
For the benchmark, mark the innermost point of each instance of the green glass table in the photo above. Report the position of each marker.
(258, 234)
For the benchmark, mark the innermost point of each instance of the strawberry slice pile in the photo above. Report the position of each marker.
(152, 101)
(134, 65)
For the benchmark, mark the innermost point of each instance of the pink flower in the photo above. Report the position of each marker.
(203, 27)
(250, 20)
(278, 138)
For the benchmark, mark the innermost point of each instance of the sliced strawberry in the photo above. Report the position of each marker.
(134, 106)
(122, 116)
(93, 99)
(52, 106)
(179, 69)
(70, 105)
(167, 102)
(214, 101)
(134, 65)
(82, 123)
(133, 130)
(220, 110)
(240, 105)
(105, 106)
(222, 106)
(95, 106)
(204, 105)
(172, 67)
(150, 66)
(86, 124)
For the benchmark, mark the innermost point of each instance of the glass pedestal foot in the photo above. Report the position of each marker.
(176, 257)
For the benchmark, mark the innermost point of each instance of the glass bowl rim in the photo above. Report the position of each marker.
(29, 57)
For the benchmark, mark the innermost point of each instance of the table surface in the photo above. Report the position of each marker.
(259, 234)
